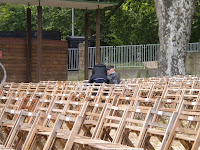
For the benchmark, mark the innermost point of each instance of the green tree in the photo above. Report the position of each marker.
(12, 17)
(195, 34)
(130, 22)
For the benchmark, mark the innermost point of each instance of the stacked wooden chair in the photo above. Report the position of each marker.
(77, 115)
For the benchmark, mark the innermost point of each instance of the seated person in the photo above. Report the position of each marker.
(99, 74)
(112, 75)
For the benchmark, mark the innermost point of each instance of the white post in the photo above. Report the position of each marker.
(72, 21)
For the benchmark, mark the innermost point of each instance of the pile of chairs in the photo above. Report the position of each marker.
(77, 115)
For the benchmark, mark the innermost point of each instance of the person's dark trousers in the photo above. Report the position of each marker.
(99, 80)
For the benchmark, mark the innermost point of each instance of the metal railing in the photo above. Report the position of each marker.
(123, 56)
(91, 57)
(194, 47)
(128, 56)
(73, 59)
(131, 55)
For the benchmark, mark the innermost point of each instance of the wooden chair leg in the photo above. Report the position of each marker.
(169, 129)
(128, 141)
(186, 144)
(32, 132)
(52, 135)
(39, 143)
(148, 144)
(18, 147)
(143, 131)
(74, 132)
(62, 142)
(13, 133)
(196, 142)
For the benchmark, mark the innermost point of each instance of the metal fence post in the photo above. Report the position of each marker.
(144, 47)
(199, 44)
(114, 49)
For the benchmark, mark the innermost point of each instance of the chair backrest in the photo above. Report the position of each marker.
(67, 124)
(58, 88)
(15, 87)
(118, 89)
(110, 122)
(131, 126)
(144, 91)
(50, 88)
(172, 99)
(158, 124)
(24, 87)
(186, 128)
(189, 84)
(92, 93)
(4, 99)
(174, 84)
(121, 100)
(147, 103)
(27, 121)
(29, 104)
(91, 118)
(82, 88)
(9, 116)
(37, 95)
(4, 93)
(15, 103)
(69, 89)
(158, 90)
(173, 93)
(131, 90)
(31, 90)
(7, 85)
(106, 90)
(43, 106)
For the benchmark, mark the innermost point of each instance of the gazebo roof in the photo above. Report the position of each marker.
(78, 4)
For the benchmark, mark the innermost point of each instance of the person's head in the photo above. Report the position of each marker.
(110, 69)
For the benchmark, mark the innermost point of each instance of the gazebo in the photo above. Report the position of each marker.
(77, 4)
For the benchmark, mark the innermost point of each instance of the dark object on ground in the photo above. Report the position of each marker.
(74, 41)
(99, 74)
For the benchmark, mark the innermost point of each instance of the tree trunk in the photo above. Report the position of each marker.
(175, 21)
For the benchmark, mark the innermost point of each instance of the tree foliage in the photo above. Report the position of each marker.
(195, 36)
(131, 22)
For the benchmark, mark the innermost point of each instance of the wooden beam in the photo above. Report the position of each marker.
(98, 25)
(86, 45)
(67, 61)
(187, 145)
(39, 44)
(29, 48)
(147, 144)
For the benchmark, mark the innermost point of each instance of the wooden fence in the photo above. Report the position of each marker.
(54, 59)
